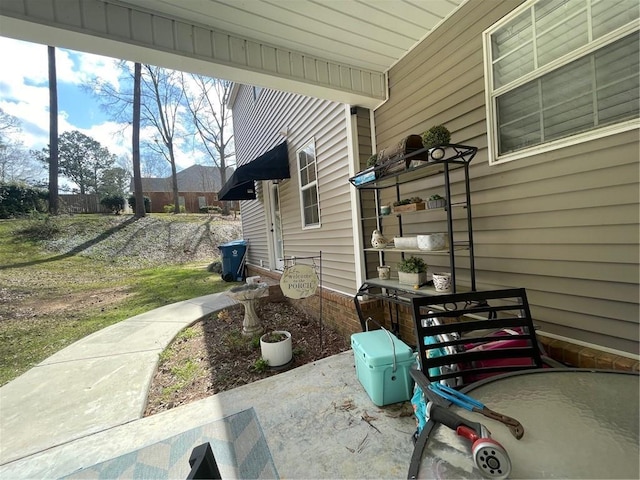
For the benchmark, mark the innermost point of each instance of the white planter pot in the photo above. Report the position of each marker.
(278, 353)
(442, 282)
(433, 241)
(412, 278)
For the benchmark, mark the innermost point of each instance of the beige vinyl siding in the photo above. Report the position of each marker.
(257, 126)
(563, 224)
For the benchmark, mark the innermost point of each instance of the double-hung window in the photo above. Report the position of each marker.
(559, 72)
(309, 185)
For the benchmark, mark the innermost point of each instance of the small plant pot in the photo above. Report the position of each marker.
(442, 282)
(410, 207)
(412, 278)
(384, 272)
(277, 353)
(439, 203)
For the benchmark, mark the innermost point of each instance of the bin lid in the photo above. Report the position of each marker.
(234, 243)
(376, 345)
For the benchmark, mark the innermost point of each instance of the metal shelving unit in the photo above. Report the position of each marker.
(394, 174)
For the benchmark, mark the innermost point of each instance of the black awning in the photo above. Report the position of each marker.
(273, 165)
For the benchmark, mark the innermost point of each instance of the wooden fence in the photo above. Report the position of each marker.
(89, 203)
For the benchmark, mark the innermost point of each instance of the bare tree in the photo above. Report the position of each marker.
(161, 109)
(53, 133)
(161, 99)
(17, 164)
(8, 124)
(154, 165)
(207, 100)
(137, 178)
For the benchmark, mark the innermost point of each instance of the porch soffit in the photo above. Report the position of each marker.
(336, 50)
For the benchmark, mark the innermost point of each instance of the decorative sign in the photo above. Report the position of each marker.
(299, 281)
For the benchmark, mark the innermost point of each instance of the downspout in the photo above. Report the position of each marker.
(350, 114)
(354, 195)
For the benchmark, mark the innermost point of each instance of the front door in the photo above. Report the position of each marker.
(277, 245)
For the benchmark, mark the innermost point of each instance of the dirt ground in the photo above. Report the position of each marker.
(212, 356)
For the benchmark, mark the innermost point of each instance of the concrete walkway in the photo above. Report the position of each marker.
(95, 384)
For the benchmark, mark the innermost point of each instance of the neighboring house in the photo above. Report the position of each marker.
(550, 98)
(198, 187)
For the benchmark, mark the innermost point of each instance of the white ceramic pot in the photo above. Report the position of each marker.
(405, 242)
(277, 353)
(433, 241)
(442, 281)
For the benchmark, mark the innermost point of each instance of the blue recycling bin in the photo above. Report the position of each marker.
(233, 258)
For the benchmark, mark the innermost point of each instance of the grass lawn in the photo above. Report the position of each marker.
(49, 300)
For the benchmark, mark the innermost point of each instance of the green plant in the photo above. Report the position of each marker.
(412, 265)
(373, 160)
(260, 365)
(210, 209)
(436, 197)
(169, 208)
(236, 342)
(17, 200)
(147, 204)
(436, 136)
(115, 203)
(274, 337)
(407, 201)
(40, 226)
(187, 333)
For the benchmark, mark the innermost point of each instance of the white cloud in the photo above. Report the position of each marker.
(24, 93)
(24, 85)
(87, 66)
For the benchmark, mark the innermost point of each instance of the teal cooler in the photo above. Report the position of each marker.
(374, 356)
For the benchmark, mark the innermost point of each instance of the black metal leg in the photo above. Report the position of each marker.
(203, 463)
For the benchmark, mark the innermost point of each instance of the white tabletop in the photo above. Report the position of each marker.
(577, 423)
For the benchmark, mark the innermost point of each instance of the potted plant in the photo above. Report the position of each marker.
(412, 271)
(436, 201)
(408, 205)
(275, 347)
(436, 139)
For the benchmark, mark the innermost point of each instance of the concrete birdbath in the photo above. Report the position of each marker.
(248, 295)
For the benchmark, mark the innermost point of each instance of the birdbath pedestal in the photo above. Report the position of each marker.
(248, 295)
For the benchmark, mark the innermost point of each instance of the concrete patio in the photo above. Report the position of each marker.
(83, 406)
(312, 418)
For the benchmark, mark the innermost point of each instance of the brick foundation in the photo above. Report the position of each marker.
(338, 311)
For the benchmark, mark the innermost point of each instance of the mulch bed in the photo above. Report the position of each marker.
(220, 358)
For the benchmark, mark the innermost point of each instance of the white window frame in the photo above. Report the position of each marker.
(255, 93)
(491, 95)
(309, 145)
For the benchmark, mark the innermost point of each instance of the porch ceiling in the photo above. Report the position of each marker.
(335, 49)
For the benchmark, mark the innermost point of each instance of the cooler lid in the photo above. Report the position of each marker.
(377, 348)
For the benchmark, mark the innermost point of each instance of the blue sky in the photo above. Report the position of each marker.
(24, 93)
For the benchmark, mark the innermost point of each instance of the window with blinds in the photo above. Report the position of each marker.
(309, 185)
(558, 70)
